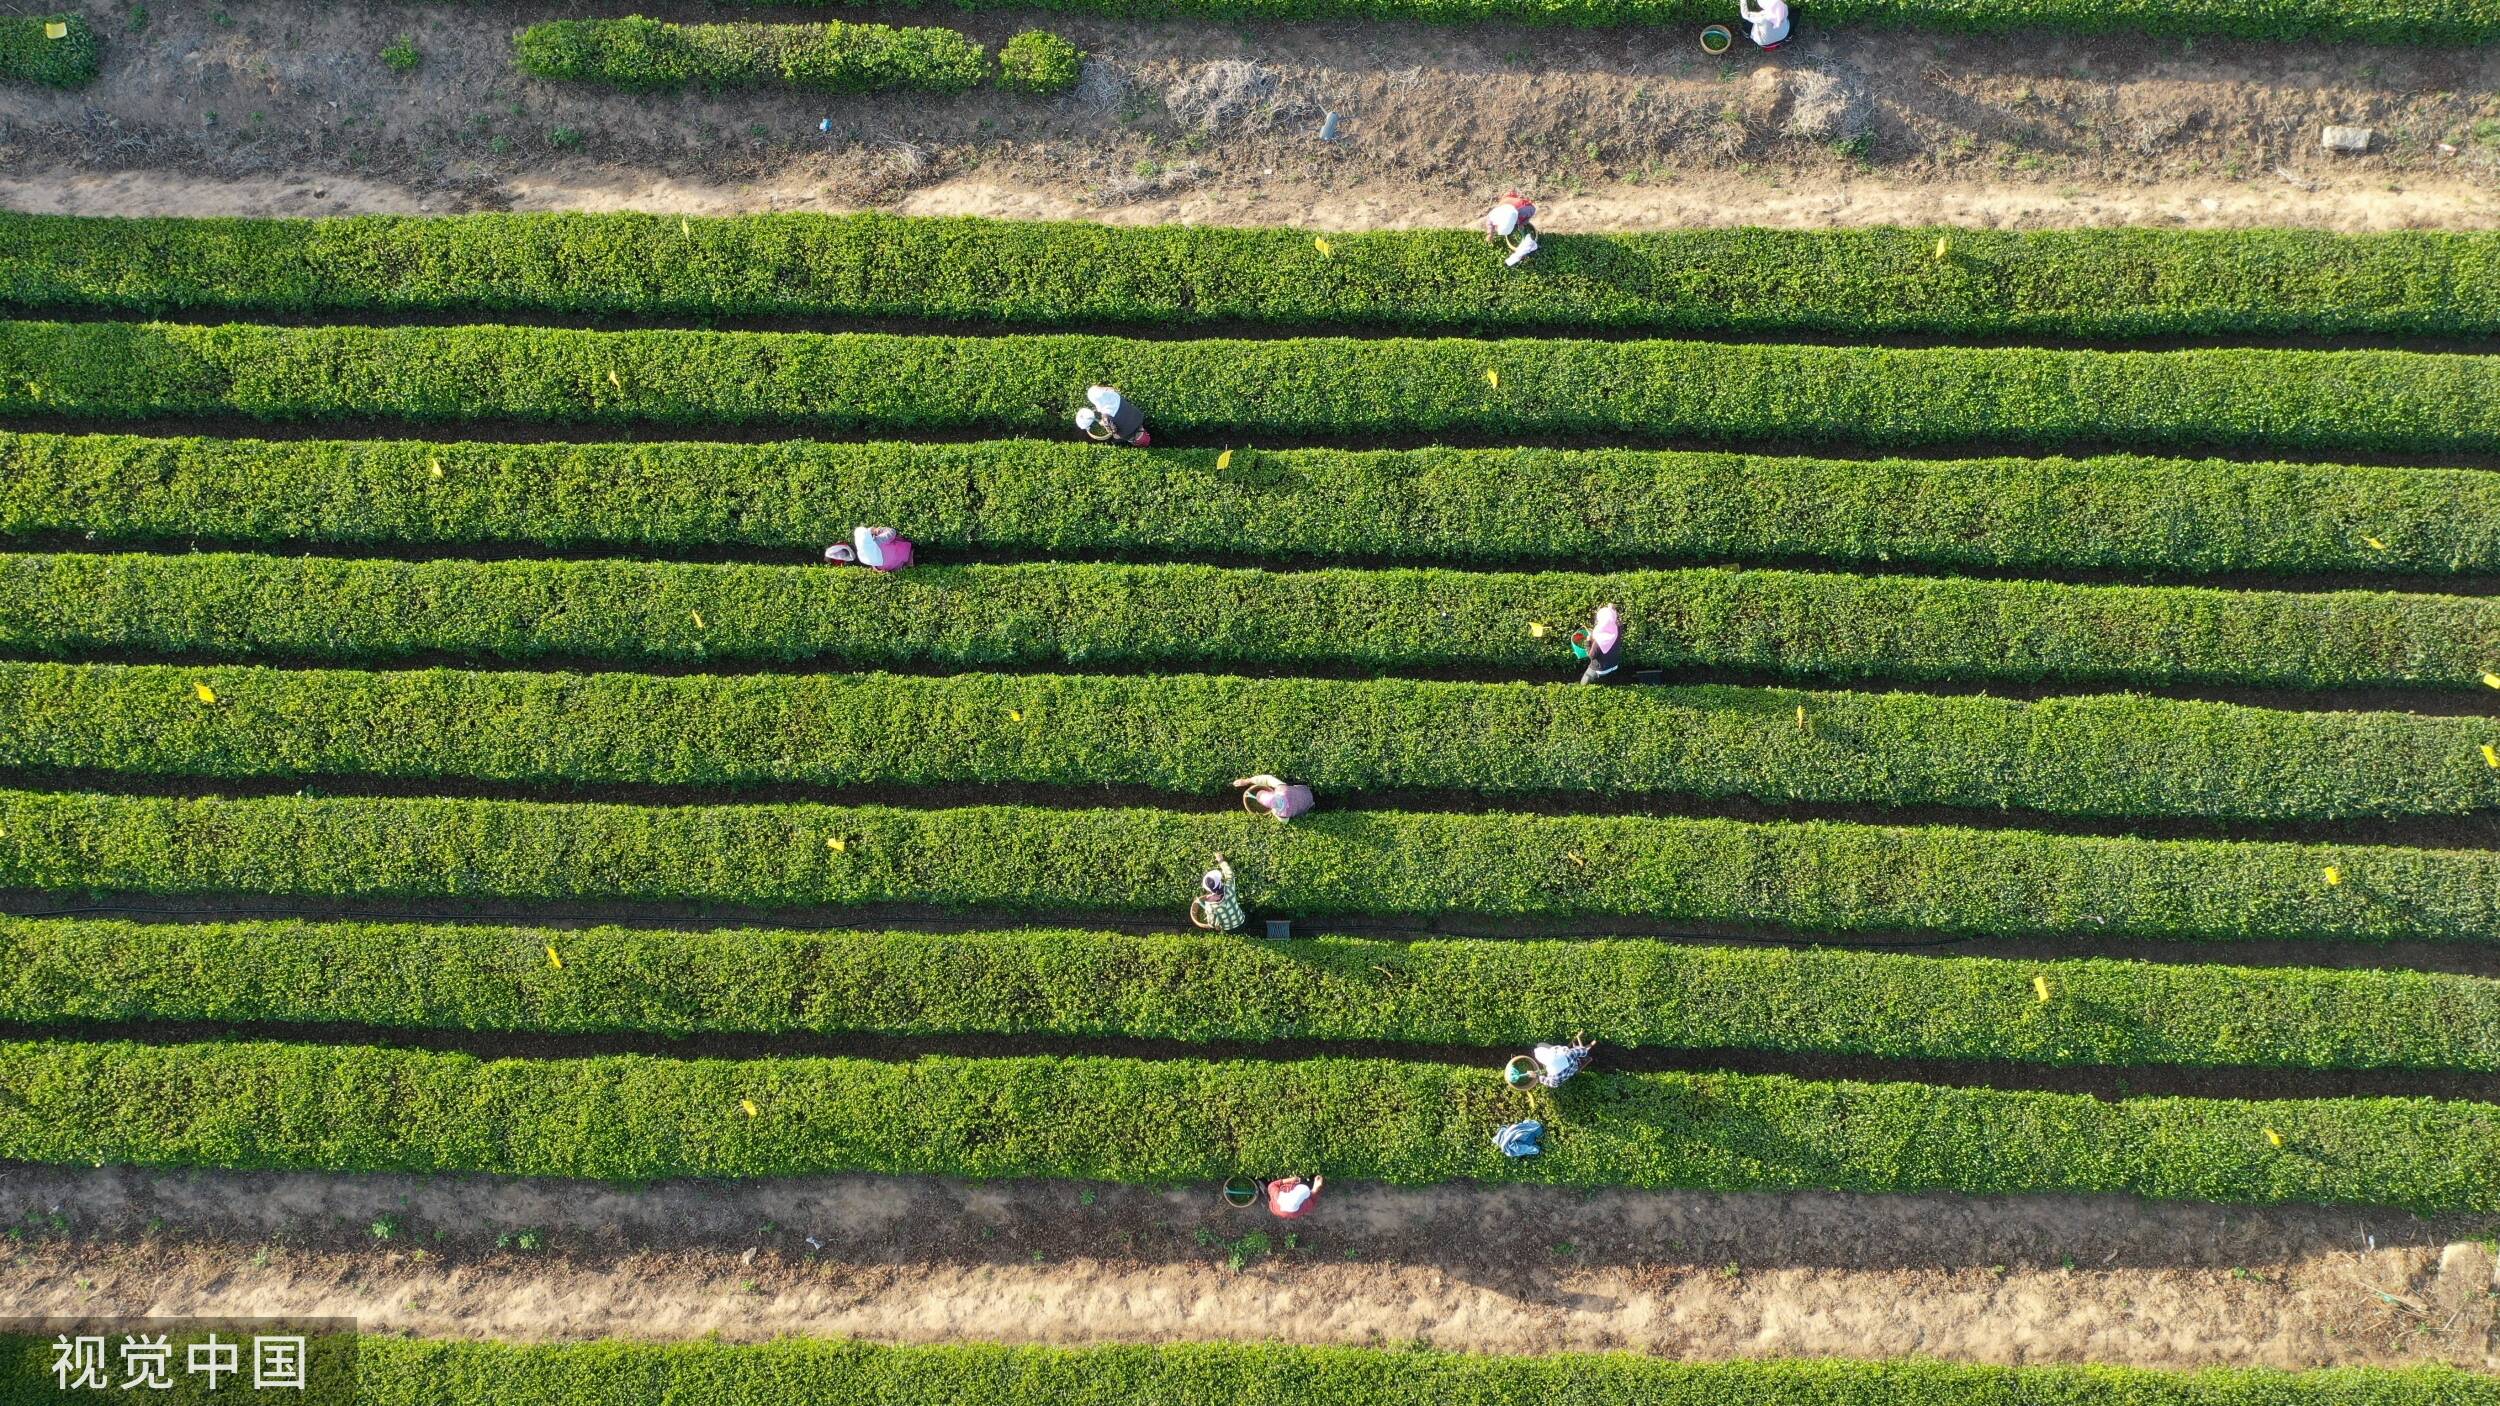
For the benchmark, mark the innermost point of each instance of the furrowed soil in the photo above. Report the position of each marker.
(286, 107)
(1458, 1267)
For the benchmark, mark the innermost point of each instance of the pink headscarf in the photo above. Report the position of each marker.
(1606, 631)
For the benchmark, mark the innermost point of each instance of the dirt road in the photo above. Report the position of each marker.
(1518, 1269)
(284, 106)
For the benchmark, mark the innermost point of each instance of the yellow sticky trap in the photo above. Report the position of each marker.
(203, 693)
(837, 844)
(552, 959)
(2491, 757)
(698, 619)
(1801, 717)
(56, 30)
(1321, 245)
(2492, 680)
(1223, 461)
(434, 468)
(1574, 856)
(2040, 988)
(620, 385)
(2274, 1137)
(685, 229)
(749, 1105)
(1493, 378)
(1944, 246)
(1015, 715)
(2375, 544)
(2332, 875)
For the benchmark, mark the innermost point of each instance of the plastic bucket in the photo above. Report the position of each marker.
(1716, 39)
(1241, 1193)
(1580, 644)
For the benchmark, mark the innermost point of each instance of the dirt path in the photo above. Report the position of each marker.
(1518, 1269)
(284, 106)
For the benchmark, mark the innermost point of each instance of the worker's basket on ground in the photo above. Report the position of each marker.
(1241, 1193)
(1520, 1072)
(1716, 39)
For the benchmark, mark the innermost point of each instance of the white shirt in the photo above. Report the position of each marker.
(1769, 19)
(1294, 1198)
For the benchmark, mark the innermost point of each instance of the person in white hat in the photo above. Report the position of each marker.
(877, 548)
(1514, 214)
(1110, 417)
(1769, 19)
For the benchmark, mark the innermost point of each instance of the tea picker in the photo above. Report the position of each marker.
(877, 548)
(1217, 907)
(1290, 1198)
(1514, 214)
(1769, 19)
(1551, 1065)
(1112, 418)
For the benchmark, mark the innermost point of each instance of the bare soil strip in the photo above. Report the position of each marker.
(282, 106)
(1686, 1275)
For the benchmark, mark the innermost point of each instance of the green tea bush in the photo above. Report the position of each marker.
(393, 1371)
(632, 1118)
(2117, 756)
(2081, 283)
(1800, 624)
(29, 53)
(1505, 507)
(1322, 387)
(1817, 877)
(1024, 981)
(644, 55)
(794, 1372)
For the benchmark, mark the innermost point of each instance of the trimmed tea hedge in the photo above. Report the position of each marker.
(802, 1372)
(1804, 877)
(2104, 756)
(1506, 506)
(796, 1372)
(29, 54)
(1092, 984)
(644, 55)
(2084, 283)
(1813, 626)
(2377, 400)
(629, 1118)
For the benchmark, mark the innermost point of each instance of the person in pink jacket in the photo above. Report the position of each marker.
(877, 548)
(1290, 1198)
(1273, 795)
